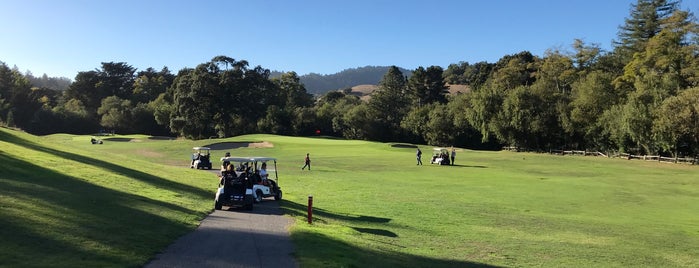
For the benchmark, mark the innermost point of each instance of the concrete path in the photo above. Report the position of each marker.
(234, 238)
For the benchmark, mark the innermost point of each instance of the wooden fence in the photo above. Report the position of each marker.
(685, 160)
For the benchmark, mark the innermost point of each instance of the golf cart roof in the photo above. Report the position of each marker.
(248, 159)
(440, 149)
(201, 148)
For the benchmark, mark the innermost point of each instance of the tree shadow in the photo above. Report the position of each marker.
(468, 166)
(373, 231)
(135, 174)
(73, 223)
(300, 210)
(323, 251)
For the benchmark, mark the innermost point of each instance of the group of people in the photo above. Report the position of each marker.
(442, 158)
(244, 173)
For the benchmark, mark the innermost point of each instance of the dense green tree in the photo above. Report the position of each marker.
(518, 122)
(15, 97)
(510, 72)
(358, 123)
(293, 92)
(116, 79)
(73, 116)
(515, 70)
(84, 89)
(592, 95)
(552, 88)
(454, 74)
(388, 105)
(330, 112)
(193, 103)
(10, 121)
(477, 74)
(427, 86)
(464, 73)
(304, 121)
(144, 121)
(277, 121)
(115, 114)
(416, 121)
(149, 84)
(678, 122)
(220, 98)
(440, 128)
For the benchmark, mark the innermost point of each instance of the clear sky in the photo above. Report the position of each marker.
(63, 37)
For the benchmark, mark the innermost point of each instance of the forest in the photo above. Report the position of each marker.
(641, 97)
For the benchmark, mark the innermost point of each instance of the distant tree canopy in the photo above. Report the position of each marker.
(640, 97)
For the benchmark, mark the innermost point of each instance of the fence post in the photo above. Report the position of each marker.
(310, 209)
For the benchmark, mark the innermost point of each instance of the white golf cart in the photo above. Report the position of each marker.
(265, 182)
(440, 156)
(201, 158)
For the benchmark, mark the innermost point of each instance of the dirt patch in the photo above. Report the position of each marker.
(458, 89)
(161, 138)
(235, 145)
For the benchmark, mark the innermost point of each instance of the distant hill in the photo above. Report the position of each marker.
(362, 81)
(317, 84)
(364, 91)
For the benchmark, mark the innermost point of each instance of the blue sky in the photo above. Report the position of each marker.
(62, 38)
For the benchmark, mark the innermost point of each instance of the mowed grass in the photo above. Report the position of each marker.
(66, 203)
(373, 207)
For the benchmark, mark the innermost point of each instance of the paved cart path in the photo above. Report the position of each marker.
(234, 238)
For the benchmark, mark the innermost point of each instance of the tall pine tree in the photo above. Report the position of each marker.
(388, 105)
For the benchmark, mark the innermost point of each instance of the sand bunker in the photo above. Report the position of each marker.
(403, 145)
(235, 145)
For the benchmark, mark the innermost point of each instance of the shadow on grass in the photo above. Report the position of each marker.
(317, 250)
(468, 166)
(460, 166)
(373, 231)
(51, 219)
(296, 209)
(135, 174)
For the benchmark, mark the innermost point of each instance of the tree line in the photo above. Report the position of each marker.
(640, 97)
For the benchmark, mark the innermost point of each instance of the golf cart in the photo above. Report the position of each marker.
(265, 182)
(201, 158)
(235, 190)
(440, 156)
(94, 140)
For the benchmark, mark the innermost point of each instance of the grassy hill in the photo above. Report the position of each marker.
(119, 203)
(67, 203)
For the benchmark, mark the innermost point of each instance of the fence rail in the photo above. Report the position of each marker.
(686, 160)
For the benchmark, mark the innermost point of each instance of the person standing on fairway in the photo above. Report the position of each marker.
(307, 162)
(419, 156)
(453, 155)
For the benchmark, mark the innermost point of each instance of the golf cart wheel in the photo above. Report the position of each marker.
(217, 205)
(258, 197)
(278, 196)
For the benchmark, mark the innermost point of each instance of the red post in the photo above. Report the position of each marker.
(310, 209)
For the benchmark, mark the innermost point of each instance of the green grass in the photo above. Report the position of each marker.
(119, 203)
